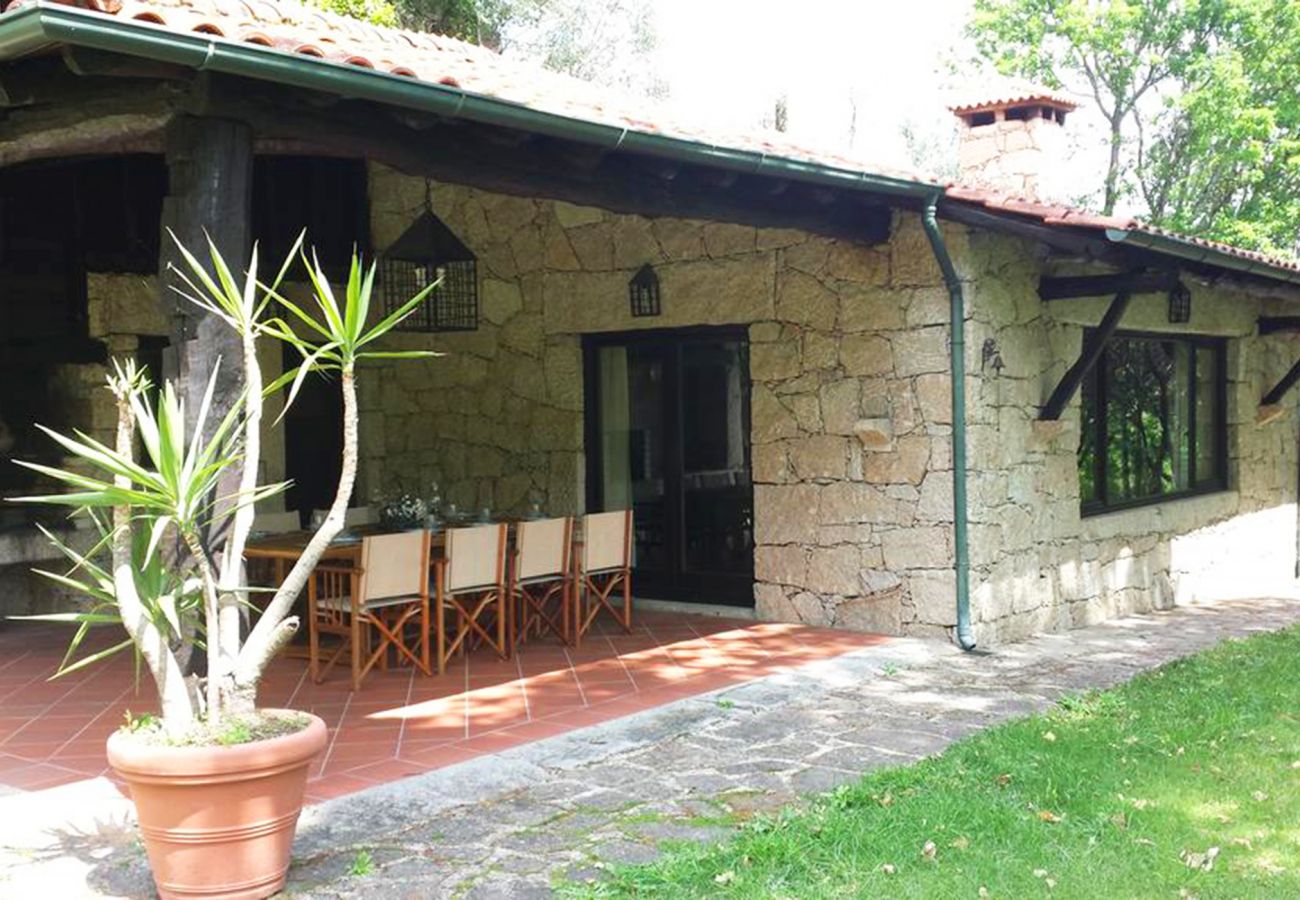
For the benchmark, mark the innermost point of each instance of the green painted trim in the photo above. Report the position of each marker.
(1185, 248)
(35, 27)
(957, 364)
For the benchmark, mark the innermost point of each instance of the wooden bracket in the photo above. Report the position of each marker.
(1273, 397)
(1093, 346)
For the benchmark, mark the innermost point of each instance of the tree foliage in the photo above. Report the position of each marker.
(603, 41)
(1198, 96)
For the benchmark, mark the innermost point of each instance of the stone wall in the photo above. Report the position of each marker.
(851, 413)
(1038, 565)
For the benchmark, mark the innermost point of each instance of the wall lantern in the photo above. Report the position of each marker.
(427, 251)
(1180, 304)
(643, 290)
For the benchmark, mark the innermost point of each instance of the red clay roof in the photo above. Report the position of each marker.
(286, 26)
(1069, 217)
(1005, 92)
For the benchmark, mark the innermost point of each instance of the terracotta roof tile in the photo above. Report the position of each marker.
(1007, 92)
(290, 27)
(1070, 217)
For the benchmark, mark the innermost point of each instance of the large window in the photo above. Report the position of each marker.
(1153, 421)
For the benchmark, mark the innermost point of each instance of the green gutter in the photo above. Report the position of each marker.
(957, 363)
(1185, 248)
(37, 27)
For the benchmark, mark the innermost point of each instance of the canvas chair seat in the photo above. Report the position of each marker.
(392, 588)
(541, 588)
(344, 603)
(606, 569)
(470, 598)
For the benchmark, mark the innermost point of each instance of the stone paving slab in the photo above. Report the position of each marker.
(511, 825)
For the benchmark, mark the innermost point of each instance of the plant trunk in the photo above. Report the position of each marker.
(174, 693)
(212, 631)
(233, 593)
(274, 630)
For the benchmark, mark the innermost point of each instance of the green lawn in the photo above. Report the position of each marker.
(1117, 794)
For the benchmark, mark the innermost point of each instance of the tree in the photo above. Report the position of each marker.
(1118, 51)
(1223, 159)
(1198, 97)
(603, 42)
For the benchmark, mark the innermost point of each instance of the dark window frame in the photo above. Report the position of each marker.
(1198, 486)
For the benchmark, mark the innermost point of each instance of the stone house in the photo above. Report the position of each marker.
(752, 344)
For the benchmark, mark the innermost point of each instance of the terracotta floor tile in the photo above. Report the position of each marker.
(331, 786)
(401, 723)
(388, 770)
(439, 757)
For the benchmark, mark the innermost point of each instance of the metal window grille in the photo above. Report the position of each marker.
(426, 252)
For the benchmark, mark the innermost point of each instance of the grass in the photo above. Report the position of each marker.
(362, 864)
(1124, 793)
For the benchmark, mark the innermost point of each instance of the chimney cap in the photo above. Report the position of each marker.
(1007, 93)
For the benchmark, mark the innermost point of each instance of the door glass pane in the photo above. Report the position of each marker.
(1208, 425)
(632, 446)
(715, 465)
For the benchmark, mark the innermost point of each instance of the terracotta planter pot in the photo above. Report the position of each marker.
(218, 822)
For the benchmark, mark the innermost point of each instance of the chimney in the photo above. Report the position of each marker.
(1014, 142)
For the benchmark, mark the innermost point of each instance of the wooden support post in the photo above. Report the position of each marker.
(210, 169)
(1092, 350)
(1273, 397)
(210, 166)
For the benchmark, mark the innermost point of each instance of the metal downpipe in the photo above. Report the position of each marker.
(957, 353)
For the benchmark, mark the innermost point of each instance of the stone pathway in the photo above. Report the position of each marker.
(511, 825)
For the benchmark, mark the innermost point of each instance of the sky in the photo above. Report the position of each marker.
(726, 61)
(730, 59)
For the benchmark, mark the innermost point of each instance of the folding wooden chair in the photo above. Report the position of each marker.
(541, 578)
(385, 593)
(470, 588)
(606, 568)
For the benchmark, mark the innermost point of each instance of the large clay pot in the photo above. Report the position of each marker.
(218, 822)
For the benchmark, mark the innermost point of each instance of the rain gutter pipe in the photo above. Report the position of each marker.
(957, 363)
(40, 26)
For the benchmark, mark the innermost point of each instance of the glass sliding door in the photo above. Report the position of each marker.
(668, 434)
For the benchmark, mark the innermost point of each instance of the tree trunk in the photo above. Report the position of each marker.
(1113, 166)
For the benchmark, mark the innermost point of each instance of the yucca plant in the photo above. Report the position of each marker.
(174, 523)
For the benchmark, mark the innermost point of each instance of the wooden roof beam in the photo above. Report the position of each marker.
(1071, 287)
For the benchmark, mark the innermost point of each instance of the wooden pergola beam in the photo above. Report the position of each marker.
(1279, 325)
(1070, 287)
(544, 167)
(1093, 347)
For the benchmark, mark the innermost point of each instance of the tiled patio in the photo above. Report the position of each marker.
(399, 724)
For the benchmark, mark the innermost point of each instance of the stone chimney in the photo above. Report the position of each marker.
(1014, 142)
